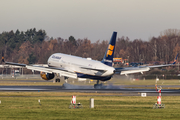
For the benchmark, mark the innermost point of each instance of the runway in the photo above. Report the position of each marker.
(89, 89)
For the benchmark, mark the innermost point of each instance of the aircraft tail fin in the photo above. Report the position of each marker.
(108, 57)
(175, 59)
(2, 57)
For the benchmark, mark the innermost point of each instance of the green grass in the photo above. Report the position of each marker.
(55, 106)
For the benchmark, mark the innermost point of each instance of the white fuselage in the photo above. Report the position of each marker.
(79, 65)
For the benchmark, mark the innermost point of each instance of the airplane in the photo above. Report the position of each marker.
(70, 66)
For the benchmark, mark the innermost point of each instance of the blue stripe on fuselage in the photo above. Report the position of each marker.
(107, 63)
(81, 75)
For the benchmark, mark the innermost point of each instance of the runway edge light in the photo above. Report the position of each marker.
(39, 101)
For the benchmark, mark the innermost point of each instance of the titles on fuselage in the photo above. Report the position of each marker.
(56, 57)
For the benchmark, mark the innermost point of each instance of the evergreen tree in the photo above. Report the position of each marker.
(31, 59)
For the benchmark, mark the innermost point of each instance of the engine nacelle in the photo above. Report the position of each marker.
(47, 76)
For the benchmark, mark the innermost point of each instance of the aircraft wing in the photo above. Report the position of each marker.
(62, 71)
(129, 70)
(46, 69)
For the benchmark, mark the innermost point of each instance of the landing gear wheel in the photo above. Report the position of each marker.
(57, 80)
(65, 79)
(98, 86)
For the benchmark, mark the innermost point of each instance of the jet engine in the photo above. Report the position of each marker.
(47, 76)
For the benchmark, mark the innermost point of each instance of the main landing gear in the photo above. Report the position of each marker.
(98, 86)
(58, 80)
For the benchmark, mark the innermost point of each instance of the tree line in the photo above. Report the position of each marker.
(34, 47)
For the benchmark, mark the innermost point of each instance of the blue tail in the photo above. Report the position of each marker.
(175, 59)
(108, 57)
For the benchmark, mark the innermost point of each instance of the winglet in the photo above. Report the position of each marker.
(2, 57)
(175, 59)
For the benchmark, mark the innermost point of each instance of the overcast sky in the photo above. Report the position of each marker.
(92, 19)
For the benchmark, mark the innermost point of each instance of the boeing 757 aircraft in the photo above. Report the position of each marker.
(70, 66)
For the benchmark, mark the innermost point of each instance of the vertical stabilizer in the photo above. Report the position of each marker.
(175, 59)
(2, 57)
(108, 57)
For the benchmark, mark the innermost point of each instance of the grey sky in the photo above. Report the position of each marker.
(92, 19)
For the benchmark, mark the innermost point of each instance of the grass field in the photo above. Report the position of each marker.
(108, 106)
(24, 105)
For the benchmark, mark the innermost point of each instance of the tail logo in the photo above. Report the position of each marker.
(2, 59)
(110, 50)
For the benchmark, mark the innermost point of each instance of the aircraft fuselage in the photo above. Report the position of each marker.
(83, 67)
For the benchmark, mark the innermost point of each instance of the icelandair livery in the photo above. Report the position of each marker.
(80, 68)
